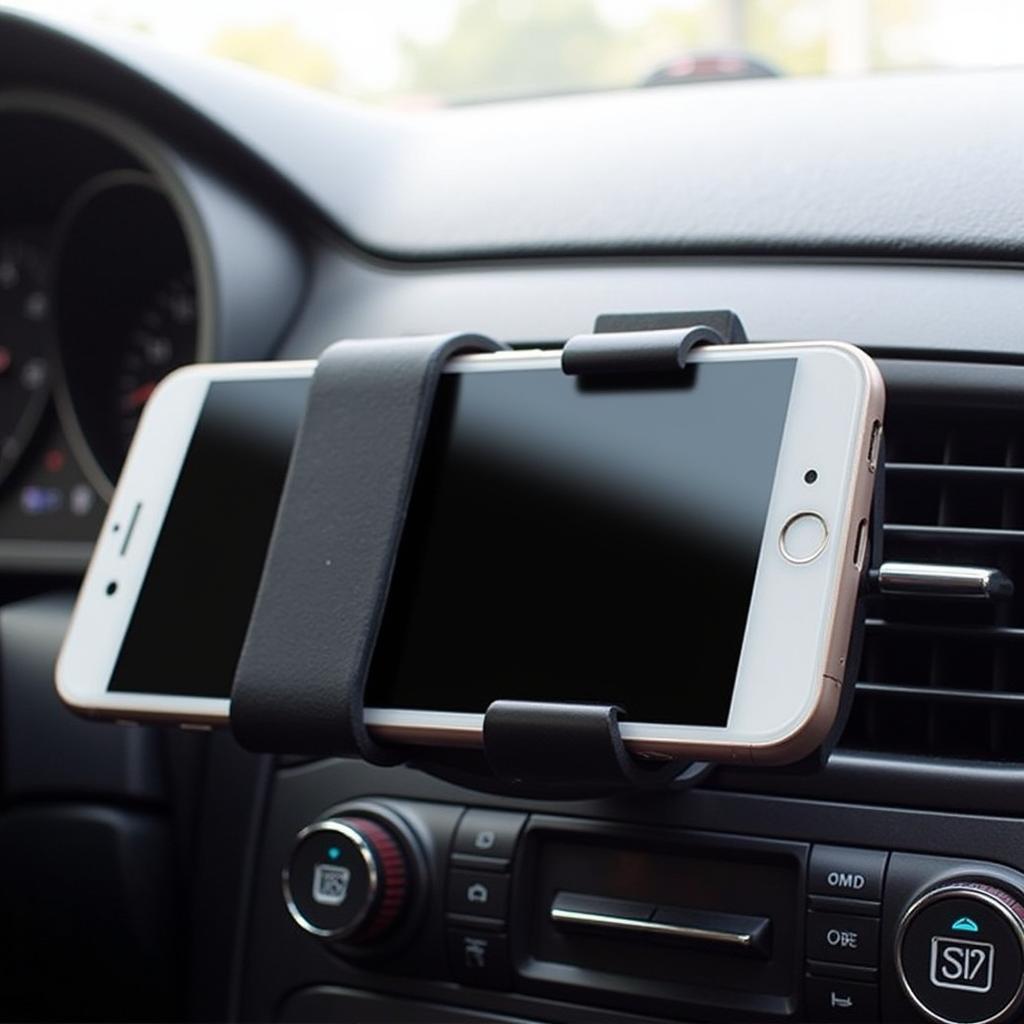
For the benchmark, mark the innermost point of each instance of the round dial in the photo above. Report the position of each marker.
(347, 880)
(161, 338)
(24, 351)
(960, 953)
(125, 306)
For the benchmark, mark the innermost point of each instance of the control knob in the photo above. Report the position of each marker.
(960, 953)
(347, 880)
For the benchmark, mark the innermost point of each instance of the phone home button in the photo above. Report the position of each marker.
(803, 537)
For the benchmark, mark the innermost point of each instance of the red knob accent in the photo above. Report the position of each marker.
(348, 879)
(392, 878)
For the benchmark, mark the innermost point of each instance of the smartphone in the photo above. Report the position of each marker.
(687, 546)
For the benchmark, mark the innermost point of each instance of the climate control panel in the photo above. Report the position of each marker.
(665, 922)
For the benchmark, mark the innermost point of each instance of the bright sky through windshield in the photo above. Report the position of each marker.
(428, 51)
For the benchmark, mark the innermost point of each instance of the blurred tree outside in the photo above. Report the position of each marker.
(494, 49)
(501, 48)
(278, 49)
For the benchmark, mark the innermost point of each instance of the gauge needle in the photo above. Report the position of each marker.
(139, 397)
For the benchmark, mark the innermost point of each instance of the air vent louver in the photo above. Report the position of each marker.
(945, 678)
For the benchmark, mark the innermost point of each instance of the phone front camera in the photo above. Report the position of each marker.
(111, 587)
(810, 476)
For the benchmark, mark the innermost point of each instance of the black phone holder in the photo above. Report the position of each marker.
(306, 657)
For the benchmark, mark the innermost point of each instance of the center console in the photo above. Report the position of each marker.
(384, 893)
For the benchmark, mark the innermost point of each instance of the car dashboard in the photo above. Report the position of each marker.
(159, 211)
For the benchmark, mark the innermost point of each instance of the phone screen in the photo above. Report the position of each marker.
(187, 629)
(585, 541)
(567, 540)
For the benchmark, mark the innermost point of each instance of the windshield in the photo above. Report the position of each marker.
(424, 53)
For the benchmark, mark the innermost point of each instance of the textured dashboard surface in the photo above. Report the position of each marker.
(912, 165)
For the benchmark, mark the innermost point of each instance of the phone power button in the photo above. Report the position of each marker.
(803, 537)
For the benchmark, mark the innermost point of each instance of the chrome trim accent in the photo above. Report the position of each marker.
(373, 880)
(632, 924)
(966, 890)
(910, 579)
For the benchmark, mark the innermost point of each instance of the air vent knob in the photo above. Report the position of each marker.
(960, 953)
(347, 880)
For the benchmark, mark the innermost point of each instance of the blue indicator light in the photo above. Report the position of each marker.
(334, 853)
(965, 924)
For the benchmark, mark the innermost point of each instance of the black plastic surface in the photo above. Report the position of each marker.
(837, 999)
(490, 834)
(724, 322)
(570, 746)
(330, 1003)
(698, 872)
(88, 929)
(635, 350)
(48, 750)
(845, 872)
(280, 958)
(300, 679)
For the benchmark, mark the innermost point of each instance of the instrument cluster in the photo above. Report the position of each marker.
(98, 303)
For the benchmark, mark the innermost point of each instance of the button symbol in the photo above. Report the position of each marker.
(485, 839)
(839, 1002)
(475, 951)
(330, 884)
(839, 939)
(965, 924)
(477, 893)
(846, 880)
(961, 964)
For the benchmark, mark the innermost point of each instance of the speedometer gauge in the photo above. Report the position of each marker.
(162, 338)
(126, 313)
(24, 353)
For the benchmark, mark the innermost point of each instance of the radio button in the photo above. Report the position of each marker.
(491, 834)
(842, 939)
(478, 893)
(847, 873)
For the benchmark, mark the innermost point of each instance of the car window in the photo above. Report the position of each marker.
(425, 53)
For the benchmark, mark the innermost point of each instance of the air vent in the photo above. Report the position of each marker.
(945, 678)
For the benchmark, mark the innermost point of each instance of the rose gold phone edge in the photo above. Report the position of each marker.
(804, 738)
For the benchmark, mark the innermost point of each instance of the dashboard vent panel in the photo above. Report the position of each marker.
(945, 678)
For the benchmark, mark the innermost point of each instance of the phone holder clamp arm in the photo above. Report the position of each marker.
(306, 658)
(533, 743)
(303, 668)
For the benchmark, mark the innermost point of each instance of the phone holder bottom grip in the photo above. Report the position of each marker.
(302, 673)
